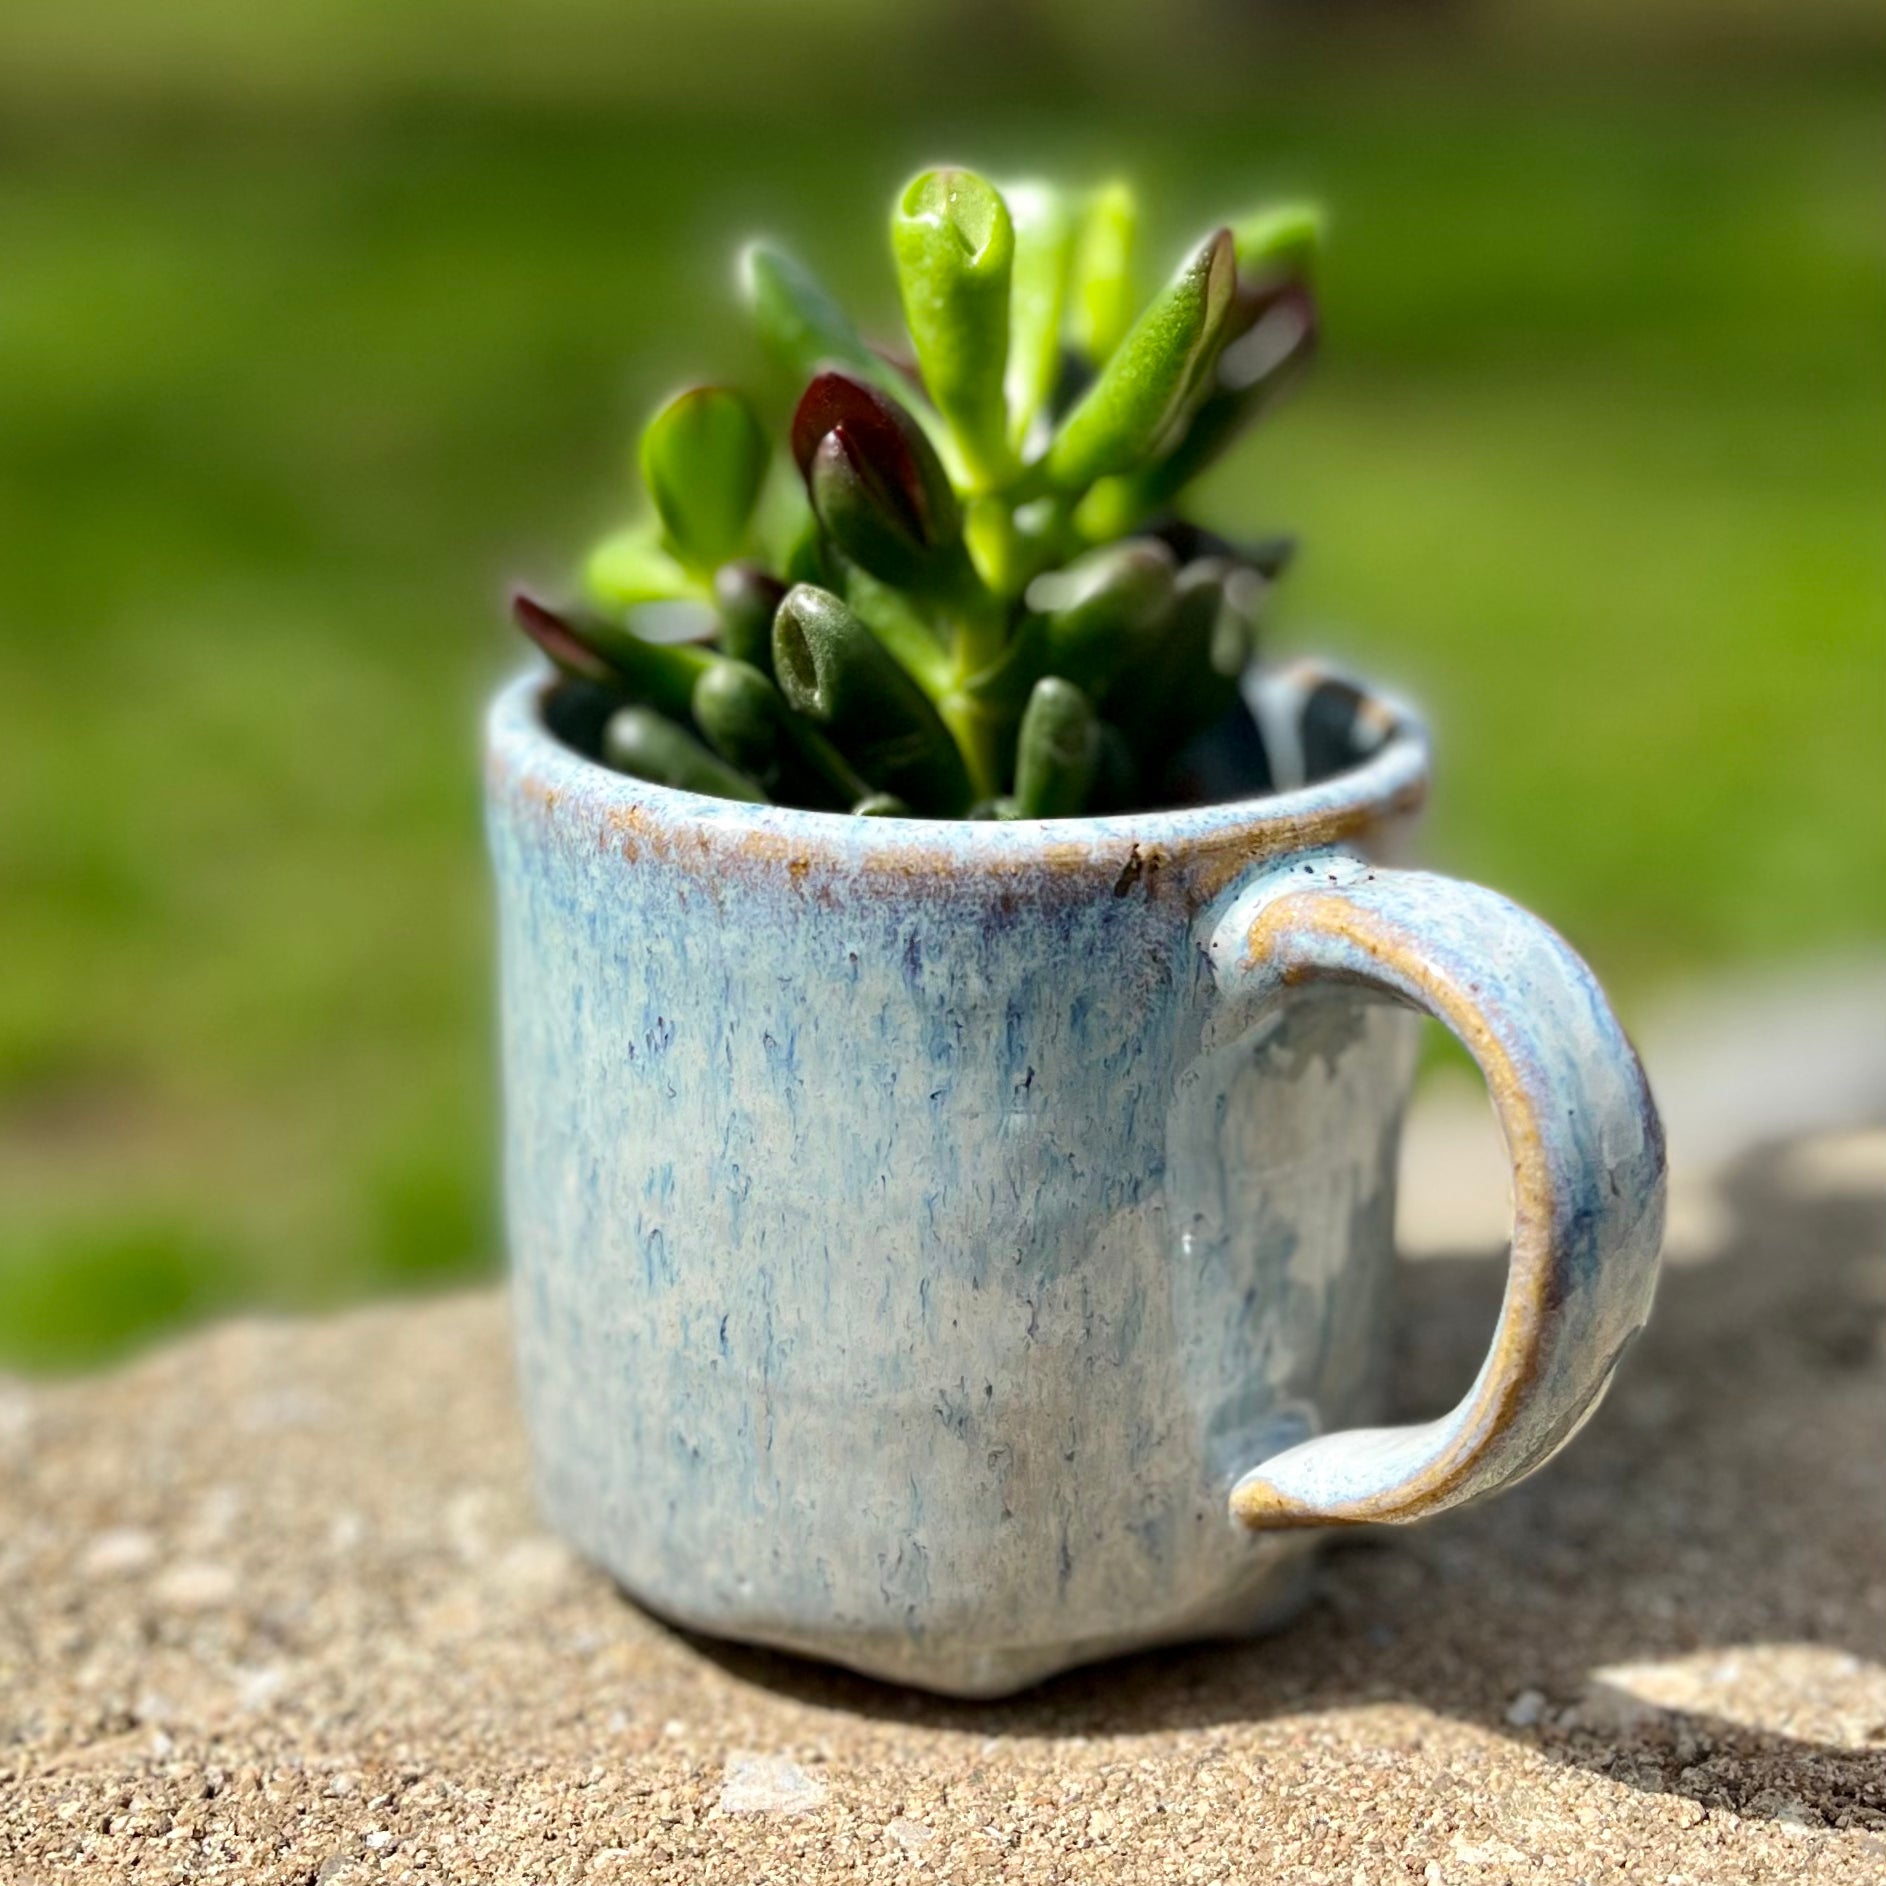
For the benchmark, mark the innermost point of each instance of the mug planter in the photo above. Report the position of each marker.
(963, 1250)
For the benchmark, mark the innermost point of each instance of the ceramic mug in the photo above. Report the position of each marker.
(961, 1251)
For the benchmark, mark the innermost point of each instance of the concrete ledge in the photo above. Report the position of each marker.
(274, 1607)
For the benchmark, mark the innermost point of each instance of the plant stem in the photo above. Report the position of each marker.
(974, 732)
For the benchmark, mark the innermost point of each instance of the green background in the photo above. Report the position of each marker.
(318, 323)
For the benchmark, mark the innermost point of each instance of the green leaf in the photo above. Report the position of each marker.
(955, 250)
(1101, 295)
(1058, 752)
(1099, 610)
(1173, 687)
(782, 519)
(662, 674)
(1269, 336)
(877, 484)
(1153, 373)
(858, 509)
(561, 640)
(1038, 285)
(704, 456)
(833, 670)
(748, 723)
(1116, 774)
(1111, 508)
(640, 741)
(1279, 244)
(746, 597)
(1252, 372)
(1234, 634)
(799, 323)
(901, 622)
(631, 568)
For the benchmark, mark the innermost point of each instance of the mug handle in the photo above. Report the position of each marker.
(1581, 1130)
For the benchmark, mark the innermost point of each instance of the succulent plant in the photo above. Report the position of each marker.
(958, 585)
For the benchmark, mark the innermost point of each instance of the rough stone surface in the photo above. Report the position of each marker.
(274, 1606)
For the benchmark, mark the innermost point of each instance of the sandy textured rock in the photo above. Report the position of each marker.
(274, 1607)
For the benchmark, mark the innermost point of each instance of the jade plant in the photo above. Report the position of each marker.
(958, 585)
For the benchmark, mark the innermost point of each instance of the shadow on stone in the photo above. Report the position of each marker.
(1726, 1507)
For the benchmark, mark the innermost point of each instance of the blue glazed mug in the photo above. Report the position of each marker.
(962, 1251)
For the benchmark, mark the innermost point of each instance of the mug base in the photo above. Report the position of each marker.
(961, 1667)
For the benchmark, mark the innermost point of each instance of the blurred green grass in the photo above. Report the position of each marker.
(1593, 467)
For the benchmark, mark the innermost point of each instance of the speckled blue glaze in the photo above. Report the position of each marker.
(920, 1229)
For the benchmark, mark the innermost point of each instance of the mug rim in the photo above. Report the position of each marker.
(526, 761)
